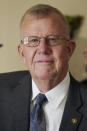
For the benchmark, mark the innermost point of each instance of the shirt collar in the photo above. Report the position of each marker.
(35, 90)
(56, 95)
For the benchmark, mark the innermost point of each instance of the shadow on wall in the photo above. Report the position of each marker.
(77, 60)
(1, 45)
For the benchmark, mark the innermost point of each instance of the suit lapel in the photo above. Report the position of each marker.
(21, 107)
(21, 111)
(71, 117)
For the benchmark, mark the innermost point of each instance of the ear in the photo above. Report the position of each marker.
(71, 47)
(21, 52)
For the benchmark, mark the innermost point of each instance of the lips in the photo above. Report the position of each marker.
(45, 61)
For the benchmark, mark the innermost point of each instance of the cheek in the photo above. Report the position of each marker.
(29, 56)
(61, 56)
(65, 54)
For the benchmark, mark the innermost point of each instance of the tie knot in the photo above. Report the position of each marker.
(41, 98)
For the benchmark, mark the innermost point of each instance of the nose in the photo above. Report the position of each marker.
(43, 47)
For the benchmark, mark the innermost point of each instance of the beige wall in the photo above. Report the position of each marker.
(11, 12)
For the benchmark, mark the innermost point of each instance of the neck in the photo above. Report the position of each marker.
(44, 85)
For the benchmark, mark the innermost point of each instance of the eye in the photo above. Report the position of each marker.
(33, 40)
(52, 39)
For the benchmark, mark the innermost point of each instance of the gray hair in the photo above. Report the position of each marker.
(43, 10)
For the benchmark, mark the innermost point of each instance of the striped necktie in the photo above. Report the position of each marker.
(37, 118)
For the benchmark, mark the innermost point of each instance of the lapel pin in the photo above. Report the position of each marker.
(74, 120)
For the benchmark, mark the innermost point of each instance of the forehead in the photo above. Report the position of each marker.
(49, 24)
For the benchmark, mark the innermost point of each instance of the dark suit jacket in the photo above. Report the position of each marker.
(84, 82)
(15, 95)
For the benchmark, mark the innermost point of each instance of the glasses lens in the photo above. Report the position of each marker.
(55, 40)
(31, 41)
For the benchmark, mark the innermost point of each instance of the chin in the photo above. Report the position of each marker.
(44, 76)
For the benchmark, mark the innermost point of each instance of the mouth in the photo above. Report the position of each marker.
(44, 61)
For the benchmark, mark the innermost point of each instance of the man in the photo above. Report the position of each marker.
(46, 50)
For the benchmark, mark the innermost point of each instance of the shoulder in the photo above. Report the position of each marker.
(79, 90)
(84, 82)
(13, 90)
(79, 86)
(12, 83)
(13, 74)
(83, 92)
(11, 77)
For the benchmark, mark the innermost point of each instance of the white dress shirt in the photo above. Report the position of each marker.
(56, 102)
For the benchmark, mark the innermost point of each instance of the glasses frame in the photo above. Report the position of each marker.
(61, 38)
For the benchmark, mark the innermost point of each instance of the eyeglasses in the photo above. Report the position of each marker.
(51, 40)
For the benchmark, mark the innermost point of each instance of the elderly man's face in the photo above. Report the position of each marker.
(44, 61)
